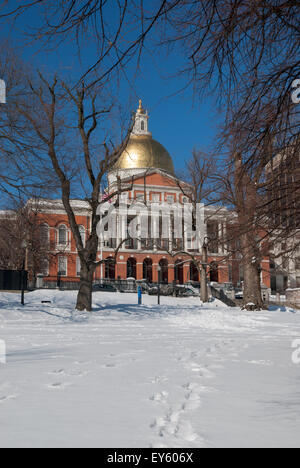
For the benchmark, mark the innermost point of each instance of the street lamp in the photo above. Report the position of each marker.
(158, 288)
(24, 247)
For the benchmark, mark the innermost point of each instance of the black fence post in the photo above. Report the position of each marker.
(23, 284)
(58, 283)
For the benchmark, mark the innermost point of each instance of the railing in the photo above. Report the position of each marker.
(121, 285)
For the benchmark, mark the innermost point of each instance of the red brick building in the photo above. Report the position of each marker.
(149, 165)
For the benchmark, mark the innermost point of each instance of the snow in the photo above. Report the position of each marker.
(180, 375)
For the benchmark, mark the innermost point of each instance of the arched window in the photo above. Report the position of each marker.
(164, 273)
(62, 235)
(179, 272)
(147, 270)
(110, 268)
(214, 272)
(44, 234)
(82, 234)
(142, 126)
(194, 274)
(131, 268)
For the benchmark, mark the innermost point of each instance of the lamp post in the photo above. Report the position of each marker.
(158, 287)
(24, 247)
(204, 290)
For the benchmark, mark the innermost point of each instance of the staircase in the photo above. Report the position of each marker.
(222, 297)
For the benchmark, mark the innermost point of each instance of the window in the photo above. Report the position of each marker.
(110, 268)
(131, 268)
(298, 281)
(285, 263)
(213, 235)
(44, 267)
(62, 266)
(156, 198)
(297, 263)
(142, 125)
(82, 234)
(62, 235)
(170, 199)
(140, 197)
(78, 266)
(44, 234)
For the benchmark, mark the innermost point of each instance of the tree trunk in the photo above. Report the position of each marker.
(252, 283)
(252, 287)
(84, 298)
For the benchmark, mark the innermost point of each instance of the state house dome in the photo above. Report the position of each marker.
(142, 151)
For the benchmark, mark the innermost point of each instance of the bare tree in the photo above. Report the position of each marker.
(22, 240)
(245, 52)
(22, 170)
(71, 20)
(56, 117)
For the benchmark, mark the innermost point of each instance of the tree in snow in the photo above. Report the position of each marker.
(61, 124)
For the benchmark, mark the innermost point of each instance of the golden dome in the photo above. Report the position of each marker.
(142, 152)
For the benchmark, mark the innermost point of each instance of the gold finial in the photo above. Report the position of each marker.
(140, 109)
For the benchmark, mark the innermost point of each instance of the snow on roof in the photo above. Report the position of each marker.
(57, 204)
(6, 213)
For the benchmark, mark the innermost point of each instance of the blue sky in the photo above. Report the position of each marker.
(177, 120)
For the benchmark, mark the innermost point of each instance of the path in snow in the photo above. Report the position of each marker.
(179, 375)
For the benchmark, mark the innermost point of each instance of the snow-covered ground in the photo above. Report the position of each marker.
(179, 375)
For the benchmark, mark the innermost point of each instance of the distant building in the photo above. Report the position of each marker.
(283, 175)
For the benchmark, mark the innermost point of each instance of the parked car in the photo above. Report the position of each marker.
(165, 290)
(104, 288)
(239, 295)
(153, 291)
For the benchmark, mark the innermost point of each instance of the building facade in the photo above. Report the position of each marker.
(147, 168)
(283, 176)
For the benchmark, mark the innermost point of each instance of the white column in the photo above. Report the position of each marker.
(220, 236)
(225, 235)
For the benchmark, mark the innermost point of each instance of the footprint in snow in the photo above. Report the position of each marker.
(193, 401)
(202, 371)
(108, 366)
(159, 379)
(57, 372)
(5, 398)
(71, 373)
(160, 397)
(59, 386)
